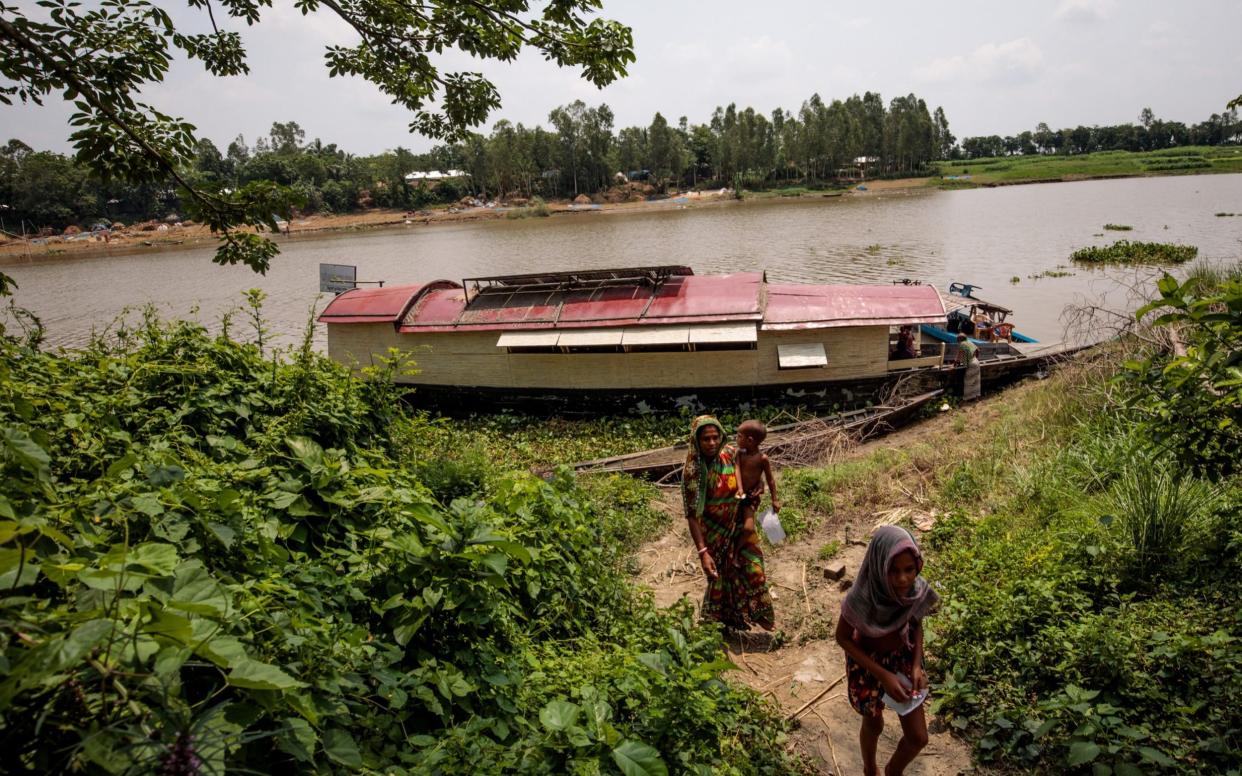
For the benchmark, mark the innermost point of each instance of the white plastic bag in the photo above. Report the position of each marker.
(771, 525)
(904, 708)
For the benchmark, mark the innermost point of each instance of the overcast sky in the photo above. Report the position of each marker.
(997, 67)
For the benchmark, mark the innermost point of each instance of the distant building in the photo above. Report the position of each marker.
(434, 177)
(859, 168)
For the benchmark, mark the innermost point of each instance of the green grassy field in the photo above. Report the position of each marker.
(1024, 169)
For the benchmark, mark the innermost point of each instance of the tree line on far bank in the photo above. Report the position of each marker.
(579, 153)
(1150, 134)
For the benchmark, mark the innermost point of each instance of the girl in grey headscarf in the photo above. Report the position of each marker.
(880, 629)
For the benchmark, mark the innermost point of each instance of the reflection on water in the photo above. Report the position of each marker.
(982, 236)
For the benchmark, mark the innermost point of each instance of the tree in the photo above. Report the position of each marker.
(286, 138)
(102, 56)
(1146, 117)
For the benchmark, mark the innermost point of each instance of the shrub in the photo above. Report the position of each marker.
(1155, 511)
(213, 554)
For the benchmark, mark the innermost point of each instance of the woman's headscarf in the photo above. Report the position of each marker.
(694, 474)
(871, 607)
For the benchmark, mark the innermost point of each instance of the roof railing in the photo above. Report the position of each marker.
(585, 280)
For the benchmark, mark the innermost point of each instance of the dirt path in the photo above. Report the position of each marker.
(809, 660)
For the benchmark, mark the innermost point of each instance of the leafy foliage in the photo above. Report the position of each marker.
(1103, 639)
(213, 559)
(1191, 402)
(100, 57)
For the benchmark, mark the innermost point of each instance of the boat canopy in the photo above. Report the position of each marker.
(817, 307)
(668, 304)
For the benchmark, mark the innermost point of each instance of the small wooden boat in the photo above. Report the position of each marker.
(985, 323)
(641, 339)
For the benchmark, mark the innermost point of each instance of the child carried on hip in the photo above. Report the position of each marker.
(753, 469)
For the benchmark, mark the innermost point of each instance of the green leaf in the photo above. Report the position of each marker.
(298, 739)
(1156, 756)
(157, 558)
(21, 448)
(254, 675)
(496, 562)
(194, 590)
(306, 450)
(11, 561)
(223, 533)
(637, 759)
(170, 659)
(148, 504)
(340, 746)
(1081, 752)
(559, 715)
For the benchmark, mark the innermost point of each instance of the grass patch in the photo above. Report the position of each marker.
(828, 551)
(1135, 252)
(536, 209)
(1021, 169)
(1117, 227)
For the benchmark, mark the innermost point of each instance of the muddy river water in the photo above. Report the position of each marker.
(986, 237)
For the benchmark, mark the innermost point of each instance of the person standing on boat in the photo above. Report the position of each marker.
(737, 590)
(968, 356)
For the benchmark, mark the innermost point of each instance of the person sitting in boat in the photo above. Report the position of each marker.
(737, 589)
(982, 325)
(906, 347)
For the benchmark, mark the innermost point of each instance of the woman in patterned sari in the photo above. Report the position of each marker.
(737, 590)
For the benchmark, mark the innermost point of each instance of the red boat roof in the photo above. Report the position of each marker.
(443, 305)
(811, 307)
(376, 305)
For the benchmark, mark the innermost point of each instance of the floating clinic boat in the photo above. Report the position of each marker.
(642, 338)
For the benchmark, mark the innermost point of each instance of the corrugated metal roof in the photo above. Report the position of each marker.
(682, 299)
(812, 307)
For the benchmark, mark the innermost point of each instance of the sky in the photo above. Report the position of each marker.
(996, 67)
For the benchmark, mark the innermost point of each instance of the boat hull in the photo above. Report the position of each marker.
(831, 395)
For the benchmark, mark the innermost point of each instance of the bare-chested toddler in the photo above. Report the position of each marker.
(753, 468)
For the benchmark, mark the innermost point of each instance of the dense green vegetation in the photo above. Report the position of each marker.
(1104, 519)
(1100, 164)
(1150, 134)
(580, 154)
(101, 59)
(1135, 252)
(215, 557)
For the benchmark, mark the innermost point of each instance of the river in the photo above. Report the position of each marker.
(981, 236)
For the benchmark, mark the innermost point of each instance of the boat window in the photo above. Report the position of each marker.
(657, 348)
(735, 334)
(655, 337)
(723, 346)
(529, 340)
(809, 355)
(593, 349)
(576, 339)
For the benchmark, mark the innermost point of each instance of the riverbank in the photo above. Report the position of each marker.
(137, 239)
